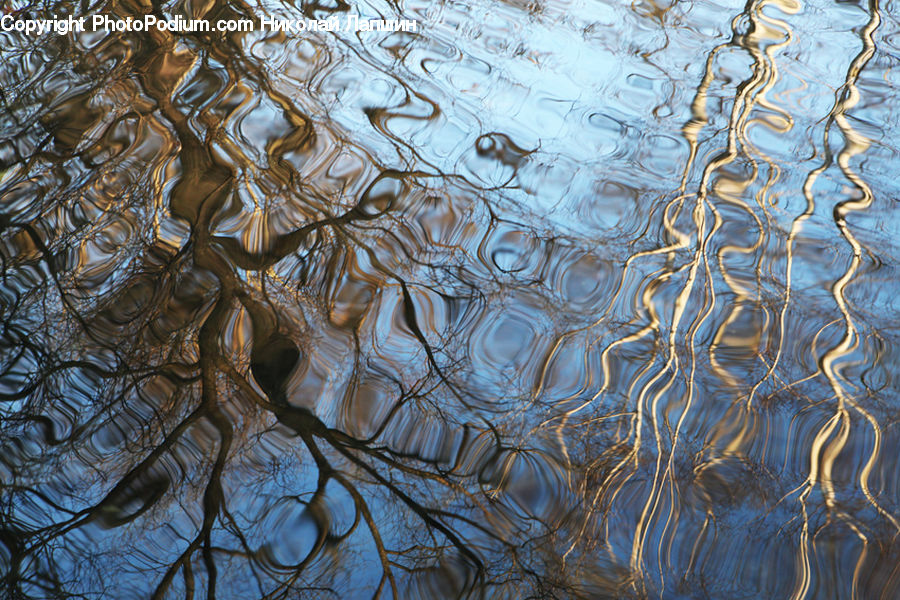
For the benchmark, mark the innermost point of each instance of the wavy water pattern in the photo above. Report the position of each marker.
(562, 299)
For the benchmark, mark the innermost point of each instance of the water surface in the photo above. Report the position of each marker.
(582, 299)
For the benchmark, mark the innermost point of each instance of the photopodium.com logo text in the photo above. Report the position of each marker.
(180, 25)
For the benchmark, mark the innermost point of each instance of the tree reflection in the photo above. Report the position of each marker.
(165, 290)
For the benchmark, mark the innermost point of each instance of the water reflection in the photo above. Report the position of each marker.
(577, 299)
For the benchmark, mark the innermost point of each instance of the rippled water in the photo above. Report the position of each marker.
(544, 300)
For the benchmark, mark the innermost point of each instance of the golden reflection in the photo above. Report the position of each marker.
(653, 387)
